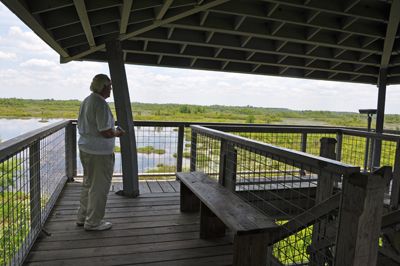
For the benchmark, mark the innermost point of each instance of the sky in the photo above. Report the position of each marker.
(30, 69)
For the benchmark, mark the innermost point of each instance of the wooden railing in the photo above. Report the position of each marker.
(345, 220)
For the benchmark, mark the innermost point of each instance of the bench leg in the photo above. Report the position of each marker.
(210, 224)
(189, 201)
(250, 250)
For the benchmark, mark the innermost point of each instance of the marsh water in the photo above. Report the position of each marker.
(160, 138)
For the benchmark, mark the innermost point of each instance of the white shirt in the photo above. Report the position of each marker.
(95, 116)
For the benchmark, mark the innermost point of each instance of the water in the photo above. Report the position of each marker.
(157, 137)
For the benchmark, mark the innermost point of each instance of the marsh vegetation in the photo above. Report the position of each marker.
(50, 108)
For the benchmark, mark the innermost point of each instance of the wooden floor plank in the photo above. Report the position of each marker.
(144, 187)
(148, 229)
(175, 184)
(167, 257)
(154, 187)
(165, 186)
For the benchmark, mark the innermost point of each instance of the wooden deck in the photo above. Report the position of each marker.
(148, 230)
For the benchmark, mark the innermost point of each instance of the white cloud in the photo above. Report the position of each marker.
(39, 64)
(8, 56)
(26, 41)
(9, 73)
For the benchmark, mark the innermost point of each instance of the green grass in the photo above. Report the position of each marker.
(147, 149)
(159, 151)
(162, 168)
(185, 155)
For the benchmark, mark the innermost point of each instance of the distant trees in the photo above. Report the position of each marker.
(250, 119)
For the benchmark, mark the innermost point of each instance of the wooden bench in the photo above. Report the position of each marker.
(219, 207)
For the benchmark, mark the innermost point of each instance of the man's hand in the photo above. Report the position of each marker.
(120, 131)
(112, 133)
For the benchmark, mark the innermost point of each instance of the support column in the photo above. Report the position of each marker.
(380, 116)
(361, 217)
(124, 118)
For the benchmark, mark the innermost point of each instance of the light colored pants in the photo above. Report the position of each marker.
(97, 175)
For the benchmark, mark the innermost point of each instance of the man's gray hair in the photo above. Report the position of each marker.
(98, 83)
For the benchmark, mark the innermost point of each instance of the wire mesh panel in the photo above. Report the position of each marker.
(30, 182)
(157, 151)
(354, 150)
(288, 140)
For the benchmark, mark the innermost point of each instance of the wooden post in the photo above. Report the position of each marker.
(227, 166)
(222, 161)
(361, 217)
(250, 250)
(230, 168)
(179, 152)
(189, 201)
(125, 119)
(303, 148)
(394, 196)
(339, 138)
(210, 224)
(34, 187)
(70, 151)
(380, 116)
(324, 192)
(193, 152)
(303, 144)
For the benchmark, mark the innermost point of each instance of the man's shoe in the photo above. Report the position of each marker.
(80, 223)
(101, 226)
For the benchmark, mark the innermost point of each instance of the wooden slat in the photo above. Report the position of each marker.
(175, 184)
(144, 187)
(240, 218)
(165, 186)
(306, 219)
(154, 187)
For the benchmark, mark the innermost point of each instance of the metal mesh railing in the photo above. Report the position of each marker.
(31, 178)
(283, 186)
(157, 151)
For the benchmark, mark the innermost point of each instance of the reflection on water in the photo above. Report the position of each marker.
(11, 128)
(160, 138)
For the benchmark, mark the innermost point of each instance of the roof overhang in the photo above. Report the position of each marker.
(338, 40)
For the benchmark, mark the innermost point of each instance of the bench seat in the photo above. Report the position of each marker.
(219, 207)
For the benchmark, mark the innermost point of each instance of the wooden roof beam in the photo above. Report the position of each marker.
(217, 51)
(260, 31)
(37, 7)
(394, 19)
(125, 11)
(203, 17)
(83, 16)
(160, 11)
(254, 67)
(208, 35)
(238, 20)
(178, 14)
(311, 14)
(349, 4)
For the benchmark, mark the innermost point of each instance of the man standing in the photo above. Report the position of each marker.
(96, 126)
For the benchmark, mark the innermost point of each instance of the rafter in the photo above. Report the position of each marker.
(160, 11)
(83, 16)
(177, 14)
(289, 34)
(125, 11)
(394, 19)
